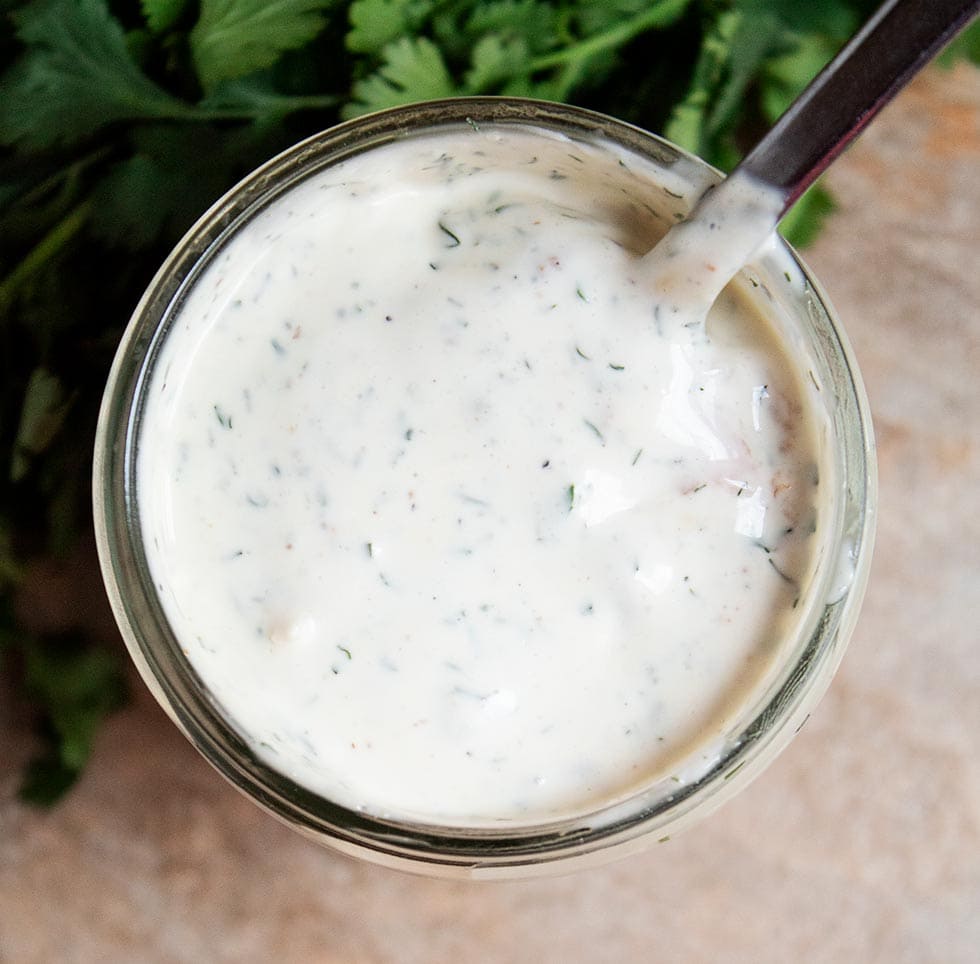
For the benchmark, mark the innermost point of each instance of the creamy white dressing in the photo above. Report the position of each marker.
(449, 521)
(691, 266)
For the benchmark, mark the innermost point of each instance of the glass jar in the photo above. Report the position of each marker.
(759, 730)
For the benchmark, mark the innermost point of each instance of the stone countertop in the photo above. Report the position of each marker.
(860, 843)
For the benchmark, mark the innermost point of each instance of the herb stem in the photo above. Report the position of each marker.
(68, 175)
(277, 106)
(44, 251)
(659, 15)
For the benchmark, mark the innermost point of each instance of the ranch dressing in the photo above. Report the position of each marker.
(691, 266)
(448, 523)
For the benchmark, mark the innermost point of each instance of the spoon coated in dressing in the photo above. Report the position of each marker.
(698, 257)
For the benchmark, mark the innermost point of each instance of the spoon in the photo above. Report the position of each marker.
(696, 259)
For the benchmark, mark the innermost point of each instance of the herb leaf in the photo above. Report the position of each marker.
(731, 55)
(805, 219)
(233, 38)
(160, 15)
(77, 685)
(965, 47)
(538, 25)
(413, 70)
(41, 417)
(496, 59)
(375, 23)
(75, 77)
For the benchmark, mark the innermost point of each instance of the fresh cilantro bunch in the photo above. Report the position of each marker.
(121, 121)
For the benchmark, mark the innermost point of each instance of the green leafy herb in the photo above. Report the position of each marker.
(803, 222)
(376, 23)
(41, 418)
(965, 47)
(76, 684)
(77, 76)
(233, 38)
(160, 15)
(412, 69)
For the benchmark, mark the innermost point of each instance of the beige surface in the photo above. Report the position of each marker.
(861, 843)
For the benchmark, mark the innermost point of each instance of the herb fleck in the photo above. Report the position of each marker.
(453, 238)
(617, 368)
(595, 429)
(223, 420)
(789, 580)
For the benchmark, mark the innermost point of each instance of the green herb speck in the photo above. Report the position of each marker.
(595, 429)
(454, 239)
(223, 420)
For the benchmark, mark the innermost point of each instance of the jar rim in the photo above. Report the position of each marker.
(484, 851)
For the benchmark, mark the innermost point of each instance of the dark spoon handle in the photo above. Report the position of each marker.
(874, 65)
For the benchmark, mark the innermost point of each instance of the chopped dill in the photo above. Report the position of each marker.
(595, 429)
(454, 239)
(223, 420)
